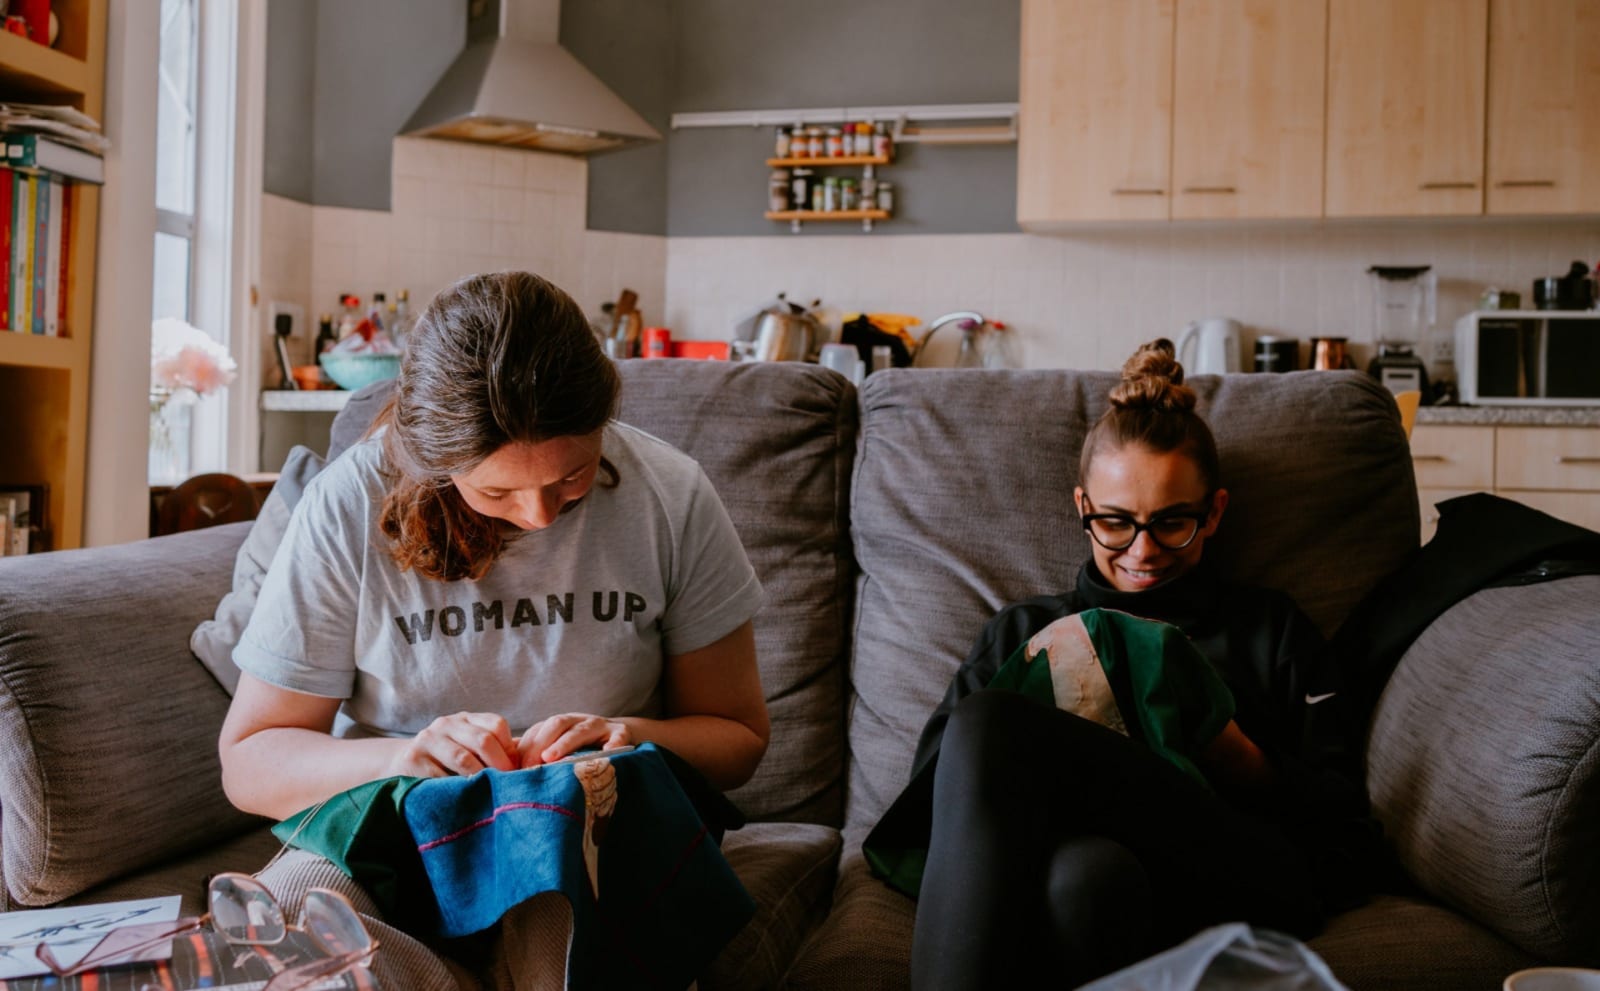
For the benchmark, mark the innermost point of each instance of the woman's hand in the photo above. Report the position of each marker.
(558, 736)
(461, 743)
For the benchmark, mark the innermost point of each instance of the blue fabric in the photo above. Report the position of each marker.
(667, 901)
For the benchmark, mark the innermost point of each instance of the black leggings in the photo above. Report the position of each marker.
(1060, 847)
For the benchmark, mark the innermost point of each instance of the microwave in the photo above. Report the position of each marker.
(1528, 358)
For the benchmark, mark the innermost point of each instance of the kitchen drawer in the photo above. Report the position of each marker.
(1582, 508)
(1566, 458)
(1453, 457)
(1428, 500)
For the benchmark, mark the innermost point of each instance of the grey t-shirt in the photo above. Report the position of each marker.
(577, 617)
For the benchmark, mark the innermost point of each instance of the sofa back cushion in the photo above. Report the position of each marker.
(962, 503)
(777, 441)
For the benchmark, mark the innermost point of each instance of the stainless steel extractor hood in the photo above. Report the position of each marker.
(515, 86)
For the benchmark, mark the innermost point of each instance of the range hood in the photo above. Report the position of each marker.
(515, 86)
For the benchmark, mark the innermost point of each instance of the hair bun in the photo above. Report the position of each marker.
(1152, 379)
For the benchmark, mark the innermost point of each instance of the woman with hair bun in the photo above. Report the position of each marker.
(1060, 847)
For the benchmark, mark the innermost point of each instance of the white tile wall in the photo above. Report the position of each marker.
(456, 210)
(1074, 300)
(1086, 300)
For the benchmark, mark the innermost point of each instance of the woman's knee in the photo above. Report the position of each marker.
(1091, 874)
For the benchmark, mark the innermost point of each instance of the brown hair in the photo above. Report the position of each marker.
(492, 360)
(1152, 408)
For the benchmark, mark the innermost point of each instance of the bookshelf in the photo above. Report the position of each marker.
(44, 381)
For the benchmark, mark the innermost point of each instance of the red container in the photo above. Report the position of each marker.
(657, 342)
(704, 350)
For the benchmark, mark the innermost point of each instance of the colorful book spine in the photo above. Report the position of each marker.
(64, 286)
(41, 250)
(6, 182)
(22, 285)
(52, 268)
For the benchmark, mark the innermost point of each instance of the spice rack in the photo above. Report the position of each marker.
(867, 163)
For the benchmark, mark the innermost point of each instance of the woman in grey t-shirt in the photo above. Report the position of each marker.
(498, 576)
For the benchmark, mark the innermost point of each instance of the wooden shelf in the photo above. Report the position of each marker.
(38, 351)
(29, 69)
(827, 214)
(823, 161)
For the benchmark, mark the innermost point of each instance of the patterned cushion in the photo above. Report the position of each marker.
(865, 942)
(1402, 944)
(1484, 764)
(788, 868)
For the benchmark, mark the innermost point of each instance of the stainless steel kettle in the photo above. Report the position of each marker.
(786, 333)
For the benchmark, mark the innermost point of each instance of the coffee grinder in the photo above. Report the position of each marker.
(1402, 315)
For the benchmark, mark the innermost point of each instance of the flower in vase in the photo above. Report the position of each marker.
(185, 363)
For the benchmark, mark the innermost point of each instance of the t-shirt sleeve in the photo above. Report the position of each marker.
(301, 635)
(713, 589)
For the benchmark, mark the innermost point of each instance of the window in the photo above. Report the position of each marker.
(176, 114)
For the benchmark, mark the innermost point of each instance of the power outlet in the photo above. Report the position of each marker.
(1444, 349)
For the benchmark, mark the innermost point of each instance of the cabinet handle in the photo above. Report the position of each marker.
(1527, 184)
(1138, 192)
(1209, 189)
(1573, 459)
(1448, 185)
(1429, 457)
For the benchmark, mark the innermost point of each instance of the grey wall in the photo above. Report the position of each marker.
(291, 85)
(343, 76)
(740, 55)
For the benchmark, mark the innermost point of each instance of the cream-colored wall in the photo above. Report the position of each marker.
(456, 210)
(1086, 300)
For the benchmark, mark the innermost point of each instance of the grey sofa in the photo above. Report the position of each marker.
(886, 528)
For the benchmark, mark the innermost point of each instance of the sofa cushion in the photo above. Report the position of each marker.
(1397, 943)
(213, 640)
(1466, 758)
(108, 730)
(962, 502)
(865, 942)
(788, 868)
(776, 440)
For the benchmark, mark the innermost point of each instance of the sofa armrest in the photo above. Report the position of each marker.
(108, 724)
(1484, 764)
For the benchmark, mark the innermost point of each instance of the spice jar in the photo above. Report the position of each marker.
(886, 196)
(778, 190)
(835, 144)
(882, 143)
(830, 194)
(847, 194)
(800, 189)
(814, 142)
(781, 147)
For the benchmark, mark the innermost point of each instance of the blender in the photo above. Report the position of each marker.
(1402, 313)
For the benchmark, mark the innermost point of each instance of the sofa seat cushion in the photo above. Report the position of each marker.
(187, 875)
(865, 943)
(788, 868)
(1471, 765)
(1395, 943)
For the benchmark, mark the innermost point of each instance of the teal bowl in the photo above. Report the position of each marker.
(356, 370)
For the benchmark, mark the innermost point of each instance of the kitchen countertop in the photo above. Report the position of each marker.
(1511, 416)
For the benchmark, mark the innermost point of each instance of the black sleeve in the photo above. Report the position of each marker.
(1001, 636)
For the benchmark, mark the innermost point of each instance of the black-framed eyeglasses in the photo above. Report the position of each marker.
(1171, 531)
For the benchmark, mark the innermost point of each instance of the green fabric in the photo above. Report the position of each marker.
(364, 833)
(1170, 698)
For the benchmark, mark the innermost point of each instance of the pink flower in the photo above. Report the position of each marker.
(186, 359)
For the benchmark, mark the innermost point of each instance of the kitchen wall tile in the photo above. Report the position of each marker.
(510, 169)
(507, 239)
(409, 157)
(477, 236)
(477, 164)
(440, 160)
(477, 201)
(508, 204)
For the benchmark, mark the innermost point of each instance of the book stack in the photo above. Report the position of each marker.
(44, 152)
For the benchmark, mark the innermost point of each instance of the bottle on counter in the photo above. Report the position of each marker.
(378, 310)
(400, 324)
(350, 318)
(326, 338)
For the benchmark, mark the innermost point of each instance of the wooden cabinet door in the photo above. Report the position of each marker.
(1406, 107)
(1095, 111)
(1544, 107)
(1248, 108)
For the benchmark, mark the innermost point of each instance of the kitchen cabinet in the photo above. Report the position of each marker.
(1247, 120)
(1544, 107)
(44, 380)
(1406, 104)
(1554, 469)
(1095, 110)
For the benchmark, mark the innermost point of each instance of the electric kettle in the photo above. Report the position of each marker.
(1209, 346)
